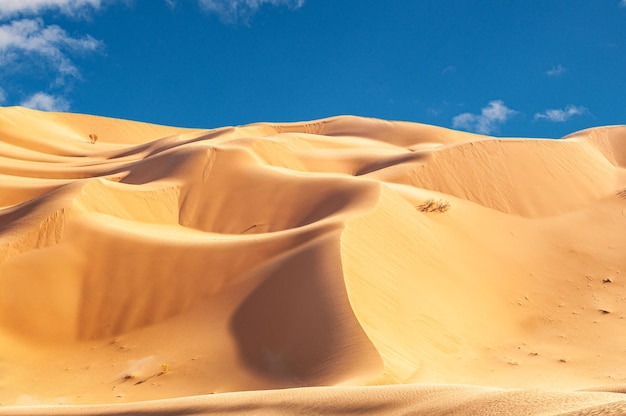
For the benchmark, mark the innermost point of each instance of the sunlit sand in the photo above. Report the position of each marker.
(339, 266)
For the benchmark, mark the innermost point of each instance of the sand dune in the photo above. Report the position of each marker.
(338, 266)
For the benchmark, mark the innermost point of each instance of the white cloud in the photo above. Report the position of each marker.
(449, 70)
(555, 71)
(12, 8)
(623, 3)
(46, 102)
(232, 11)
(560, 115)
(48, 45)
(493, 115)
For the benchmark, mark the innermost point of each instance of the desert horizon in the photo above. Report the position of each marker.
(345, 265)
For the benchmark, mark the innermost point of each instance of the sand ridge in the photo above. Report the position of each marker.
(347, 252)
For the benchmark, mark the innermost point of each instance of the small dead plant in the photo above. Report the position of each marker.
(430, 205)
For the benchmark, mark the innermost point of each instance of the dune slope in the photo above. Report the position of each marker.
(335, 266)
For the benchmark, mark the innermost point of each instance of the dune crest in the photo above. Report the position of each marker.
(383, 260)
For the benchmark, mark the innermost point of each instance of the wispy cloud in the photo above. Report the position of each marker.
(233, 11)
(561, 115)
(48, 45)
(450, 69)
(13, 8)
(555, 71)
(46, 102)
(623, 3)
(30, 47)
(490, 118)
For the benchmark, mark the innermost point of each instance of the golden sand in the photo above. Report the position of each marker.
(339, 266)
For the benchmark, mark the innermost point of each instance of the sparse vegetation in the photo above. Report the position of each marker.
(431, 205)
(165, 368)
(93, 138)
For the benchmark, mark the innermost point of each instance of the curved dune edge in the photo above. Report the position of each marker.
(161, 262)
(381, 400)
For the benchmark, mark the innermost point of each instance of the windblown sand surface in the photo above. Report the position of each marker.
(340, 266)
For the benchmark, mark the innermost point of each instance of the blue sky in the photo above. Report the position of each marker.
(506, 68)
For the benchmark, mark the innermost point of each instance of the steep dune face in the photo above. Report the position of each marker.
(528, 178)
(161, 262)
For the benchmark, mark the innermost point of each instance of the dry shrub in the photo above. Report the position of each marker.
(431, 205)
